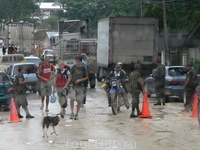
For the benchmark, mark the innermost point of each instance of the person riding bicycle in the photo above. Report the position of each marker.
(117, 72)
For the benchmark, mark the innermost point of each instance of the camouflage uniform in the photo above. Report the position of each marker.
(134, 89)
(190, 88)
(20, 98)
(159, 76)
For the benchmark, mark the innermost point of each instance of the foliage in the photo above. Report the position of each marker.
(196, 65)
(16, 9)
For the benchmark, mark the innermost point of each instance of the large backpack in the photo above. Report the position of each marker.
(61, 78)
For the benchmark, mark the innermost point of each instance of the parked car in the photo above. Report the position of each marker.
(29, 75)
(69, 59)
(174, 80)
(35, 60)
(6, 60)
(51, 54)
(6, 90)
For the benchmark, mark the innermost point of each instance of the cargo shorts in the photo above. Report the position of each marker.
(21, 100)
(46, 88)
(76, 93)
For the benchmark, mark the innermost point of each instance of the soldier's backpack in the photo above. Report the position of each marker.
(61, 78)
(133, 82)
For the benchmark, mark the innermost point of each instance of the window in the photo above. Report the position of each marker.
(177, 71)
(4, 78)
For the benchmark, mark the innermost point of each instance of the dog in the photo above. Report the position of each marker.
(50, 121)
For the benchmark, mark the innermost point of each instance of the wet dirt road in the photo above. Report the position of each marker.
(98, 128)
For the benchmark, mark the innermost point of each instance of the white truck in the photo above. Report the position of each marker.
(21, 35)
(128, 40)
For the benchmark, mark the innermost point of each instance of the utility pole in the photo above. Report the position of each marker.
(167, 54)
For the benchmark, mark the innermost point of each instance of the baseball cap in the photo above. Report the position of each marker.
(117, 66)
(158, 60)
(120, 63)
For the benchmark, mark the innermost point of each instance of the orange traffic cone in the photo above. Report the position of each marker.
(194, 109)
(145, 108)
(13, 112)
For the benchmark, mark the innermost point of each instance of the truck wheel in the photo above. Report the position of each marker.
(98, 78)
(92, 80)
(166, 98)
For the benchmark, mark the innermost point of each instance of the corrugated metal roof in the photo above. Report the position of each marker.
(50, 34)
(50, 5)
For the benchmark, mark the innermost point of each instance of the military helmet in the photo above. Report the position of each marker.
(137, 66)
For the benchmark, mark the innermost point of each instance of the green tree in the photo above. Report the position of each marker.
(16, 9)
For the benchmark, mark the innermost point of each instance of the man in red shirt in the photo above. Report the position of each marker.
(46, 76)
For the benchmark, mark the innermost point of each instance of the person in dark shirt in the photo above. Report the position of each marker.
(159, 76)
(189, 86)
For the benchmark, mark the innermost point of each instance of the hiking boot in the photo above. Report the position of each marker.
(29, 116)
(20, 116)
(157, 104)
(76, 117)
(71, 116)
(139, 113)
(133, 115)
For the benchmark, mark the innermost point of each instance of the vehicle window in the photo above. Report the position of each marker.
(50, 52)
(73, 56)
(28, 69)
(4, 78)
(9, 70)
(18, 58)
(177, 71)
(36, 61)
(7, 59)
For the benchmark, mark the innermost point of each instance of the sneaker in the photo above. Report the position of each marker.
(20, 116)
(29, 116)
(72, 116)
(46, 110)
(62, 114)
(41, 107)
(76, 117)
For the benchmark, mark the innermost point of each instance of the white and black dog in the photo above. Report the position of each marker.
(50, 121)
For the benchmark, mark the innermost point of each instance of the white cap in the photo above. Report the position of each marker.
(120, 63)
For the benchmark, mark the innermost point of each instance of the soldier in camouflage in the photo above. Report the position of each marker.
(134, 87)
(159, 76)
(20, 99)
(189, 86)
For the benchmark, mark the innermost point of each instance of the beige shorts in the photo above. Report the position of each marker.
(46, 88)
(76, 93)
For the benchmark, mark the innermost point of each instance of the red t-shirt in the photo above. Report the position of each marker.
(46, 71)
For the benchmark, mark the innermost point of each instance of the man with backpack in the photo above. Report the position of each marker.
(46, 76)
(62, 74)
(78, 74)
(134, 87)
(190, 85)
(20, 90)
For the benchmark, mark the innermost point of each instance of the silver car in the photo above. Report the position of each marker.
(175, 77)
(29, 75)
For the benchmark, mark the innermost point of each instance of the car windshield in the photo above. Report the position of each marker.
(4, 78)
(28, 69)
(36, 61)
(49, 52)
(177, 71)
(73, 56)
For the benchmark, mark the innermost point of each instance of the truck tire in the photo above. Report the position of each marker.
(92, 80)
(98, 78)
